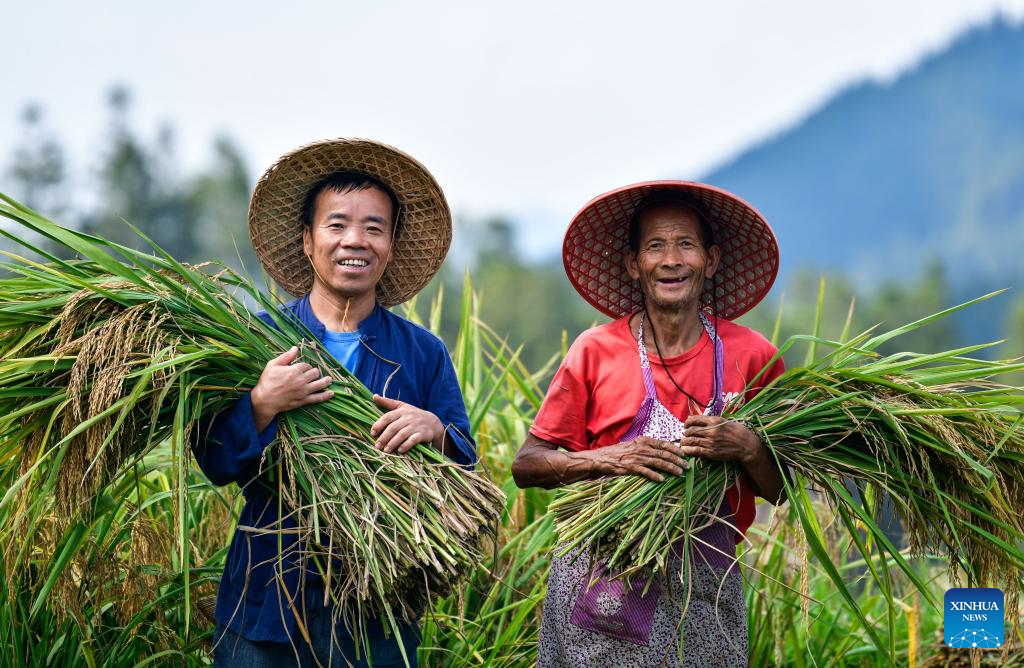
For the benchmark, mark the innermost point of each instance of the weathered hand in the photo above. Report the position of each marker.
(403, 426)
(714, 437)
(285, 385)
(647, 457)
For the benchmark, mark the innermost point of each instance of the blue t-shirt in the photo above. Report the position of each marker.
(344, 347)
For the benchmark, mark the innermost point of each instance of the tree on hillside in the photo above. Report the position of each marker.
(530, 304)
(37, 172)
(892, 304)
(220, 198)
(196, 218)
(1014, 337)
(140, 184)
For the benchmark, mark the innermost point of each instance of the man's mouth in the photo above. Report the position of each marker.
(353, 263)
(676, 280)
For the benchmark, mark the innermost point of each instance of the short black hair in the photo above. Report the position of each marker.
(676, 198)
(343, 182)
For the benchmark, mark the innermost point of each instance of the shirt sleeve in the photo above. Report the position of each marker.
(445, 401)
(777, 368)
(229, 448)
(562, 418)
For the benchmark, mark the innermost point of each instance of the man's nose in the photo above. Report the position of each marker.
(353, 237)
(672, 255)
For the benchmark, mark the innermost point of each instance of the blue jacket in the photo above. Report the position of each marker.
(415, 367)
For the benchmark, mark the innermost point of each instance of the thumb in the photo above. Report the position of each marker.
(385, 403)
(287, 357)
(695, 419)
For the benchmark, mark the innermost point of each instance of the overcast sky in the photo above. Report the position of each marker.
(526, 108)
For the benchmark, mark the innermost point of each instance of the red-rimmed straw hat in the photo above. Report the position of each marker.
(596, 243)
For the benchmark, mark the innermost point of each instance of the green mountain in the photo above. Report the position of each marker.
(886, 176)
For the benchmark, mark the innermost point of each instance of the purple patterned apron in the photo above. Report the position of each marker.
(611, 623)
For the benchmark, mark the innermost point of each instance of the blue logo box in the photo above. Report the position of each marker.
(973, 618)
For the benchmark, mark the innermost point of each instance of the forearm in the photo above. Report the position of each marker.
(446, 445)
(445, 400)
(538, 466)
(763, 471)
(229, 448)
(449, 437)
(262, 413)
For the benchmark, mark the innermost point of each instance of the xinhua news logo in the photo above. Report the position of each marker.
(973, 618)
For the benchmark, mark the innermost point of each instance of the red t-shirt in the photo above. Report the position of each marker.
(598, 389)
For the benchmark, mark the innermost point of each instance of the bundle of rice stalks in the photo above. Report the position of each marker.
(106, 356)
(944, 656)
(494, 620)
(795, 614)
(931, 434)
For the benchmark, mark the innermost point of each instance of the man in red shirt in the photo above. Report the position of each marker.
(673, 262)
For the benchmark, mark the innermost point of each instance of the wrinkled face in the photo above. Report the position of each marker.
(672, 262)
(349, 243)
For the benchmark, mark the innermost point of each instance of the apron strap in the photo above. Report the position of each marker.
(714, 406)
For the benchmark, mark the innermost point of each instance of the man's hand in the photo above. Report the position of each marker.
(714, 437)
(647, 457)
(540, 463)
(285, 385)
(402, 426)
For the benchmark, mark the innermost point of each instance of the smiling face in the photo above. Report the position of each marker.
(671, 261)
(349, 241)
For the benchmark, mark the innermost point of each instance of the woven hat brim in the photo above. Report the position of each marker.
(597, 240)
(425, 220)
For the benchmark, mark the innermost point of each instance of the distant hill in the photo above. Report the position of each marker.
(885, 176)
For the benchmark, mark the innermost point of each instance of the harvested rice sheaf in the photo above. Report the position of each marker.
(106, 356)
(933, 435)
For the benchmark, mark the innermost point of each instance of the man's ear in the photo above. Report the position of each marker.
(387, 259)
(714, 258)
(632, 266)
(394, 238)
(307, 241)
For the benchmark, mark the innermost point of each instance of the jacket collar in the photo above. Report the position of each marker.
(368, 329)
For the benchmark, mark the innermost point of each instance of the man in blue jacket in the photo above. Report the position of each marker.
(352, 226)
